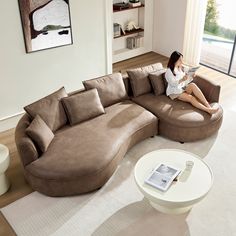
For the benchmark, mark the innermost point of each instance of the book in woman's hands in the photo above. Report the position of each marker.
(191, 71)
(162, 177)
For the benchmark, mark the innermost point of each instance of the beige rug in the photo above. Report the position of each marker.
(120, 209)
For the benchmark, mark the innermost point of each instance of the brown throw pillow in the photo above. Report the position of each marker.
(139, 78)
(83, 106)
(50, 109)
(40, 133)
(111, 88)
(158, 82)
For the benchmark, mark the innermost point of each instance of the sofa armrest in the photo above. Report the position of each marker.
(25, 146)
(210, 90)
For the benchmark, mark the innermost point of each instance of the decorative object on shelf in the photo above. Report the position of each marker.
(46, 24)
(131, 26)
(134, 42)
(135, 3)
(120, 6)
(116, 30)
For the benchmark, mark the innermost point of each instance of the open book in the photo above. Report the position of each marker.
(162, 177)
(192, 70)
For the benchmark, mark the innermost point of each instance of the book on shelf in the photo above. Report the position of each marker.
(135, 42)
(162, 176)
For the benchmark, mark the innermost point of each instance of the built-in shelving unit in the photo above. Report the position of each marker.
(142, 17)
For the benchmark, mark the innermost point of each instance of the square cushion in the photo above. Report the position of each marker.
(50, 109)
(111, 88)
(158, 82)
(139, 78)
(40, 133)
(83, 106)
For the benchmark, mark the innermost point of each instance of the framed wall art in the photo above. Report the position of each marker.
(46, 24)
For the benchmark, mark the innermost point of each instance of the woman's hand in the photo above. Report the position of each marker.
(186, 77)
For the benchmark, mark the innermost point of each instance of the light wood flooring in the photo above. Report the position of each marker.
(19, 188)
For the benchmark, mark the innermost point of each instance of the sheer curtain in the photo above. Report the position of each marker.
(194, 27)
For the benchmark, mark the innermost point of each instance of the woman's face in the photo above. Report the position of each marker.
(179, 62)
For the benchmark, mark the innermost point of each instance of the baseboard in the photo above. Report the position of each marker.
(10, 122)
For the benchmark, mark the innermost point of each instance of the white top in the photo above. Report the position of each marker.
(174, 87)
(195, 187)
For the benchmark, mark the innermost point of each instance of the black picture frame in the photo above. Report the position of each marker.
(56, 29)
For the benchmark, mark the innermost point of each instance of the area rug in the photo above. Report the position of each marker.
(118, 208)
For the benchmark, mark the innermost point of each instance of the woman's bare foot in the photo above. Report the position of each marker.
(213, 110)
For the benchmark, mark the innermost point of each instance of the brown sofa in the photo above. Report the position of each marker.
(82, 157)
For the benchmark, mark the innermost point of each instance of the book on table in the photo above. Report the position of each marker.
(162, 176)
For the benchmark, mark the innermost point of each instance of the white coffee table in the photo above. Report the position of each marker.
(182, 194)
(4, 163)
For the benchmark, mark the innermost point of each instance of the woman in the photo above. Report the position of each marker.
(177, 88)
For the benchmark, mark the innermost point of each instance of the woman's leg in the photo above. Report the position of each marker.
(193, 88)
(191, 99)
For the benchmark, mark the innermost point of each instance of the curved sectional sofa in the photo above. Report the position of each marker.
(82, 156)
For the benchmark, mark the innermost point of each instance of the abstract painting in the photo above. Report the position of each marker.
(46, 23)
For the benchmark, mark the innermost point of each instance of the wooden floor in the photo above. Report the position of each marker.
(19, 188)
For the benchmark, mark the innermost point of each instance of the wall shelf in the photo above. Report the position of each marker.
(127, 33)
(126, 9)
(142, 16)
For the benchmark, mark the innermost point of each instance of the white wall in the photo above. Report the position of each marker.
(25, 78)
(169, 25)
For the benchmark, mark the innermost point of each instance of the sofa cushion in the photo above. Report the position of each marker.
(111, 88)
(158, 82)
(139, 78)
(176, 112)
(87, 148)
(50, 109)
(83, 106)
(40, 133)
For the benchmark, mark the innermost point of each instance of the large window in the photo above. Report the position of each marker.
(219, 36)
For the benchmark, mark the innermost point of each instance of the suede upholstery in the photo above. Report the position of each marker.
(83, 106)
(40, 133)
(139, 78)
(179, 120)
(25, 146)
(111, 88)
(158, 82)
(81, 158)
(88, 153)
(50, 109)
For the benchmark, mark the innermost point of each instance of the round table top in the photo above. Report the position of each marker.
(194, 187)
(4, 153)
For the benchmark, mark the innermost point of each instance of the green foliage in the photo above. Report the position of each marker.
(226, 33)
(211, 17)
(211, 25)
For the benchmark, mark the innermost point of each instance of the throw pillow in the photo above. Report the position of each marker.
(40, 133)
(111, 88)
(158, 82)
(83, 106)
(139, 78)
(50, 109)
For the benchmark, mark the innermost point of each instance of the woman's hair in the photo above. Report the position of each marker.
(173, 59)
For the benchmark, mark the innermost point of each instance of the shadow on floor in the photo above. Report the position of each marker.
(139, 218)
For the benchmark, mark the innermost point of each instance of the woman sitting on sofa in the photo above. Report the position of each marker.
(180, 89)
